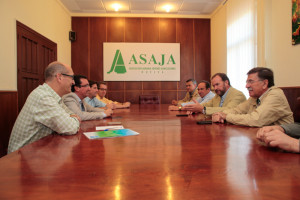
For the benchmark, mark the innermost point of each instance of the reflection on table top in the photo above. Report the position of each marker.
(172, 158)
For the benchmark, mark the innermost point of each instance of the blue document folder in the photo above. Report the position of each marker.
(110, 133)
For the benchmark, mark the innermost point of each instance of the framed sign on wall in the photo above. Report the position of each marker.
(141, 61)
(295, 22)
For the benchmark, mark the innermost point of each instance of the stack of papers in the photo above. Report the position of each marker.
(110, 132)
(106, 128)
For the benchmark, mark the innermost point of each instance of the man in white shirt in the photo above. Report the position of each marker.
(204, 92)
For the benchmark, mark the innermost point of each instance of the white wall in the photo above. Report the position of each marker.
(281, 55)
(274, 41)
(47, 17)
(218, 41)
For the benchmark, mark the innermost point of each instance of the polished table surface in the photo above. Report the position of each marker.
(172, 158)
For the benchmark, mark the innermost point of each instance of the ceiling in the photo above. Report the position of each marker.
(179, 7)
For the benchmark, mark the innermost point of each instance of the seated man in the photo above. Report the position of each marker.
(281, 136)
(74, 101)
(92, 100)
(44, 112)
(192, 93)
(267, 104)
(204, 93)
(226, 97)
(101, 97)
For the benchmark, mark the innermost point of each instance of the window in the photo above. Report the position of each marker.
(241, 41)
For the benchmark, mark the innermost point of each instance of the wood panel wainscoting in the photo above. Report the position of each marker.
(291, 94)
(192, 34)
(8, 116)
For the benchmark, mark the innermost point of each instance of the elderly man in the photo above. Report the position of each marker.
(192, 93)
(44, 112)
(101, 97)
(226, 97)
(74, 101)
(204, 93)
(91, 97)
(267, 104)
(283, 137)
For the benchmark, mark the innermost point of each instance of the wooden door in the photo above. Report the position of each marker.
(34, 53)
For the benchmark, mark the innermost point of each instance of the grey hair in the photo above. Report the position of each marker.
(192, 80)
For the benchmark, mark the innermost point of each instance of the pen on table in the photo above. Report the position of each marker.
(109, 129)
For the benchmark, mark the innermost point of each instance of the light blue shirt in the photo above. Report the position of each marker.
(94, 102)
(206, 98)
(224, 97)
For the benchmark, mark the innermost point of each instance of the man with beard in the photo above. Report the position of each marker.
(226, 97)
(267, 104)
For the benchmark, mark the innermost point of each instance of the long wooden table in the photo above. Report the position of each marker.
(172, 158)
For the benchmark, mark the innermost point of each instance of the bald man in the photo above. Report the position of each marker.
(44, 111)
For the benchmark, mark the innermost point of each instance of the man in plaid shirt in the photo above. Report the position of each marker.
(44, 111)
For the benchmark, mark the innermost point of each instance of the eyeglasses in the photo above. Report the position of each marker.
(252, 81)
(72, 76)
(102, 89)
(87, 85)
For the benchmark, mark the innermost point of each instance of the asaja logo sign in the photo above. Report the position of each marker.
(141, 61)
(118, 64)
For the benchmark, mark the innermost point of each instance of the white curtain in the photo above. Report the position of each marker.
(241, 41)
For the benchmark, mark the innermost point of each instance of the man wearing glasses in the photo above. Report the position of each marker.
(44, 112)
(267, 104)
(101, 97)
(91, 97)
(75, 101)
(226, 97)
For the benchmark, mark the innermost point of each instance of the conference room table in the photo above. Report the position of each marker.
(171, 158)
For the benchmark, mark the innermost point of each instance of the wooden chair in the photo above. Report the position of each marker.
(149, 99)
(297, 110)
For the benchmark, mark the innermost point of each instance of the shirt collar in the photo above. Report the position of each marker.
(54, 94)
(77, 97)
(224, 96)
(191, 93)
(88, 98)
(258, 100)
(261, 96)
(207, 95)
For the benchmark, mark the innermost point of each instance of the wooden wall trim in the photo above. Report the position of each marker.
(192, 34)
(8, 116)
(290, 87)
(291, 94)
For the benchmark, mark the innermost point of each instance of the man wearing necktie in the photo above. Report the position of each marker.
(75, 102)
(267, 104)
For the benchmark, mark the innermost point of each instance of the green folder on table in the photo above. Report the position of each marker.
(110, 133)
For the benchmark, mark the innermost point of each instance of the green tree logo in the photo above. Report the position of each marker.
(118, 64)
